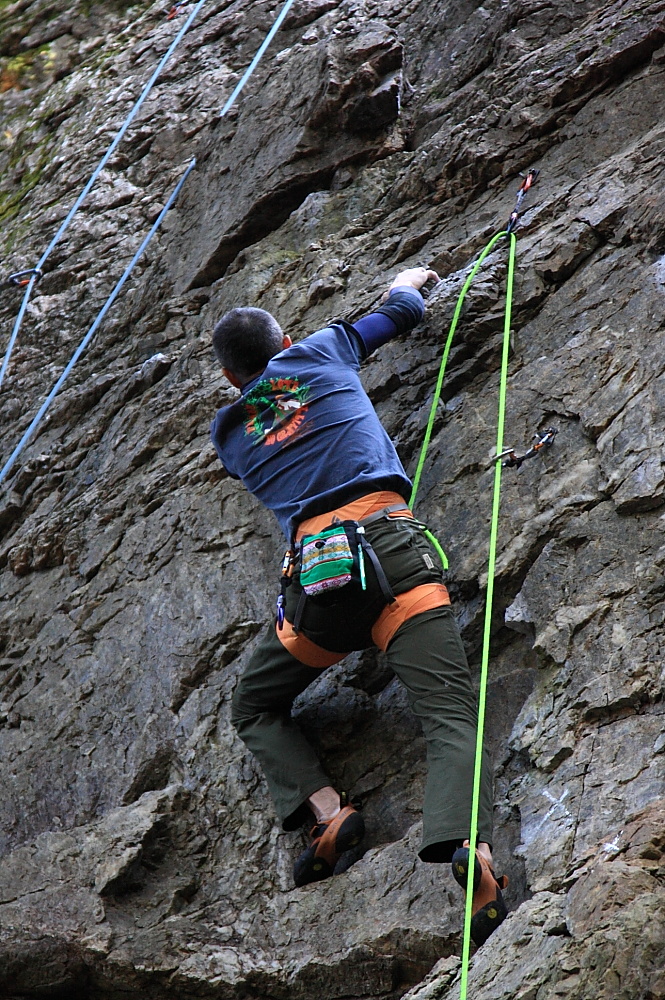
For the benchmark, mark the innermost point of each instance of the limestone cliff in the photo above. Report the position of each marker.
(140, 857)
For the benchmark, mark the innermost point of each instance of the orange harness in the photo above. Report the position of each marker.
(413, 602)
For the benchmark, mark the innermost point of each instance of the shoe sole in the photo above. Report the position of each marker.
(313, 867)
(486, 920)
(460, 866)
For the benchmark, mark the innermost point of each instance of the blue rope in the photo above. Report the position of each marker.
(257, 58)
(17, 325)
(114, 294)
(93, 329)
(84, 193)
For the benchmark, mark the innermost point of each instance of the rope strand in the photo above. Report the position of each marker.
(227, 107)
(114, 294)
(484, 667)
(444, 362)
(257, 58)
(93, 329)
(487, 633)
(93, 177)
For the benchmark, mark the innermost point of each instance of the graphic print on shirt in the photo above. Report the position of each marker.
(275, 409)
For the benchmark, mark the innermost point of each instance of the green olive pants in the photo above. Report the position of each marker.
(427, 656)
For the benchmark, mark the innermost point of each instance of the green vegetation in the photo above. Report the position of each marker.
(27, 68)
(23, 148)
(10, 201)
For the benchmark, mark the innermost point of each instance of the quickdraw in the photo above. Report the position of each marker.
(23, 278)
(530, 179)
(175, 10)
(542, 439)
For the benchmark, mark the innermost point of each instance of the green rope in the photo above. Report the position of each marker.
(437, 545)
(491, 564)
(494, 530)
(444, 363)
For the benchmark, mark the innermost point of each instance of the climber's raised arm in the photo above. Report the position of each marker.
(401, 310)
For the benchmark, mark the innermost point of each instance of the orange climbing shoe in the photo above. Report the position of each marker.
(329, 842)
(488, 908)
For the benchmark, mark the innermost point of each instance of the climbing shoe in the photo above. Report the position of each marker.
(329, 842)
(488, 909)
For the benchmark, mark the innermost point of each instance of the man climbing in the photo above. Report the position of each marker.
(360, 571)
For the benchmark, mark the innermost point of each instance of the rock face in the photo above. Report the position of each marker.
(140, 856)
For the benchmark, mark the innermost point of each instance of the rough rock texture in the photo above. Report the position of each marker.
(140, 857)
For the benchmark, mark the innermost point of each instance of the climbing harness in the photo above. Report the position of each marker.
(36, 273)
(542, 439)
(335, 553)
(334, 557)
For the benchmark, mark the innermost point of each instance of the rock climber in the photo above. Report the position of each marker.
(360, 570)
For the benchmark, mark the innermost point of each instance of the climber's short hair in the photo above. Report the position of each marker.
(245, 339)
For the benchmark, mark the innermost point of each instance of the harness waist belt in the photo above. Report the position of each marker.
(364, 510)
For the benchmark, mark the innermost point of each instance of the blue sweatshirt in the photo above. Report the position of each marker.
(304, 437)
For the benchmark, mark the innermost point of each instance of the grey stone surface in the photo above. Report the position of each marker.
(139, 856)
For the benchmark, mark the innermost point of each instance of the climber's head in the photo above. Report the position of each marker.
(244, 341)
